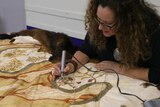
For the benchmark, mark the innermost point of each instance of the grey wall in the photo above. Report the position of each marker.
(12, 16)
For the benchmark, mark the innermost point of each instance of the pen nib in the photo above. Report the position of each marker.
(61, 78)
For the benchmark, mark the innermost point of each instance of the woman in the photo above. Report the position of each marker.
(124, 35)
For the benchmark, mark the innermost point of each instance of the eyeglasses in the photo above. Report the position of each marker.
(105, 25)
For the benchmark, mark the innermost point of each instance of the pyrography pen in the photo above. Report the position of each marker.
(63, 58)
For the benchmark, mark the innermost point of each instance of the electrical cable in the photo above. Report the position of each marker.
(117, 80)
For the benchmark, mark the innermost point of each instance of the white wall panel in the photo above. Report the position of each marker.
(155, 3)
(57, 15)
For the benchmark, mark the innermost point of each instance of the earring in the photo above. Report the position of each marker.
(117, 55)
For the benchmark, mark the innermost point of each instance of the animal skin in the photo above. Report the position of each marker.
(51, 42)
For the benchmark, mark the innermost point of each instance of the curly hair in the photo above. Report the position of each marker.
(131, 31)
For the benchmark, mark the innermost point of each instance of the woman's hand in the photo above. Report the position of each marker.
(107, 65)
(57, 71)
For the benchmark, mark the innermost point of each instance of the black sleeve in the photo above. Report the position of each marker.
(88, 49)
(154, 70)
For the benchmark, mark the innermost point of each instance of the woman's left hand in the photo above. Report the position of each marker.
(108, 65)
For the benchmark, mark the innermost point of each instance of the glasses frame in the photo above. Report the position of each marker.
(105, 25)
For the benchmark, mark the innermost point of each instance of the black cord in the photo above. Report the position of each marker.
(119, 87)
(82, 63)
(117, 80)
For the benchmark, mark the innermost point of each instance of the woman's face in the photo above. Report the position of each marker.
(105, 19)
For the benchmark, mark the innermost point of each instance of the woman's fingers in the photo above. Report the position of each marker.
(104, 65)
(100, 66)
(56, 70)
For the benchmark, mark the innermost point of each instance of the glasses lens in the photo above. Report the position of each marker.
(106, 26)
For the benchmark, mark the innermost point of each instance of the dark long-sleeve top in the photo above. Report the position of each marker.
(107, 54)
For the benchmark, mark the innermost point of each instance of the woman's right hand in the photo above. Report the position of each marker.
(57, 71)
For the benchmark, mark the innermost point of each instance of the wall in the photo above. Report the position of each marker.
(57, 15)
(12, 16)
(60, 15)
(155, 3)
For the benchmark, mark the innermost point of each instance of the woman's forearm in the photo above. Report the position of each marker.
(139, 73)
(81, 57)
